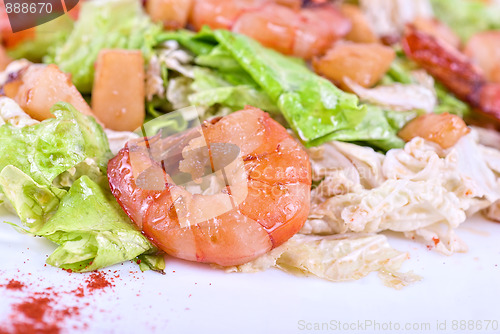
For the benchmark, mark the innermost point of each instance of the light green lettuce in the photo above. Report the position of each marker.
(92, 230)
(103, 25)
(233, 70)
(467, 17)
(210, 89)
(312, 105)
(379, 129)
(39, 163)
(34, 203)
(45, 150)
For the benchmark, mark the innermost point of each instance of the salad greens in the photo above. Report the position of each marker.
(85, 220)
(210, 89)
(103, 25)
(100, 233)
(54, 173)
(49, 148)
(233, 70)
(467, 17)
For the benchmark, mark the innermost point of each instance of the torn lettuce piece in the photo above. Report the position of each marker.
(47, 36)
(103, 25)
(210, 89)
(312, 106)
(92, 231)
(334, 258)
(467, 17)
(449, 103)
(200, 43)
(378, 128)
(47, 149)
(155, 262)
(33, 203)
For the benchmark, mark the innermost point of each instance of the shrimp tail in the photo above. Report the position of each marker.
(454, 70)
(443, 62)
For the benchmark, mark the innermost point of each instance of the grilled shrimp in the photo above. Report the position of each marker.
(263, 200)
(278, 24)
(454, 70)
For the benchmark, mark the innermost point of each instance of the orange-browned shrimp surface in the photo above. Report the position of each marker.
(262, 201)
(279, 24)
(457, 72)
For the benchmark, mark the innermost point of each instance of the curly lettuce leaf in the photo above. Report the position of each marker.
(45, 150)
(467, 17)
(378, 129)
(103, 25)
(92, 230)
(34, 203)
(38, 163)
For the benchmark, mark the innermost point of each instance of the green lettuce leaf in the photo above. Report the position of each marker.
(45, 150)
(239, 71)
(378, 129)
(34, 203)
(200, 43)
(38, 162)
(210, 89)
(103, 25)
(467, 17)
(92, 230)
(47, 37)
(312, 106)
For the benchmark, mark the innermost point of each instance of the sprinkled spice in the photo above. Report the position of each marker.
(38, 315)
(44, 311)
(436, 240)
(97, 280)
(14, 285)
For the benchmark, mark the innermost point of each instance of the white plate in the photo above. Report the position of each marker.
(462, 290)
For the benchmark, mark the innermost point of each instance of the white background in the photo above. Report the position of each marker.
(197, 298)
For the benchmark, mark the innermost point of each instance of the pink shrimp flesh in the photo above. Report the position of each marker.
(236, 224)
(279, 24)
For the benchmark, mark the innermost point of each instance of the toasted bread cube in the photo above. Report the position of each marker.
(361, 31)
(119, 89)
(172, 13)
(363, 63)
